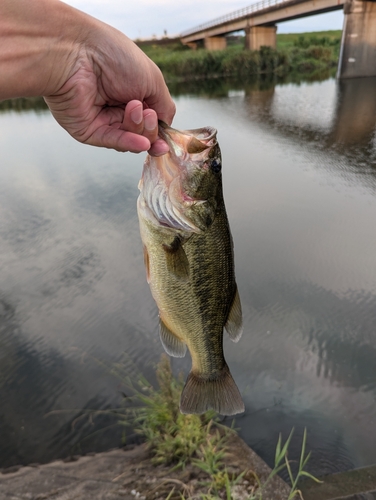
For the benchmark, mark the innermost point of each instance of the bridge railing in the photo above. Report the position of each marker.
(237, 14)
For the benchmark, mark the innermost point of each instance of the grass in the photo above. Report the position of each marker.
(286, 40)
(198, 443)
(171, 436)
(24, 104)
(310, 56)
(178, 440)
(303, 53)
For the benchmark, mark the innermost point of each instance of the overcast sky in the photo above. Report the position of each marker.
(144, 18)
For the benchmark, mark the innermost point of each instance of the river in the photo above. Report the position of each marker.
(300, 189)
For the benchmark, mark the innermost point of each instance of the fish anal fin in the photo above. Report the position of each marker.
(219, 394)
(234, 323)
(176, 259)
(172, 345)
(147, 264)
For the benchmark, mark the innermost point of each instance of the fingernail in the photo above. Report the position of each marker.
(137, 115)
(150, 121)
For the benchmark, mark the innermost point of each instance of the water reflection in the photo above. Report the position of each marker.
(20, 104)
(34, 380)
(356, 112)
(299, 184)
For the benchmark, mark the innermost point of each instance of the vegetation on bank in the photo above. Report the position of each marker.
(198, 441)
(24, 104)
(190, 457)
(296, 53)
(299, 56)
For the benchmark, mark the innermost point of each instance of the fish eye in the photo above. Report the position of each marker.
(216, 166)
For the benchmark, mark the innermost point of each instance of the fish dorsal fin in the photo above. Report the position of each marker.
(147, 264)
(172, 345)
(234, 323)
(176, 258)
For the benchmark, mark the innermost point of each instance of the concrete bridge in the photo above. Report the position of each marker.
(358, 48)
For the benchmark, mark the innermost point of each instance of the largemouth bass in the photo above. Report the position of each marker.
(188, 253)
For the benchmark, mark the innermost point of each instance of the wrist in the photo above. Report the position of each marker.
(40, 43)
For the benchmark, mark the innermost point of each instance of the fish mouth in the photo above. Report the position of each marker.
(161, 182)
(197, 141)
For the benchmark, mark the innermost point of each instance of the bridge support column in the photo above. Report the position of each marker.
(257, 36)
(358, 49)
(215, 43)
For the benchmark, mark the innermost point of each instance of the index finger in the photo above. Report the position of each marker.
(162, 104)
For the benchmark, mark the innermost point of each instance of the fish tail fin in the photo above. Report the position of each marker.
(219, 394)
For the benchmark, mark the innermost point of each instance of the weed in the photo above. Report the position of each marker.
(281, 462)
(172, 437)
(305, 53)
(200, 441)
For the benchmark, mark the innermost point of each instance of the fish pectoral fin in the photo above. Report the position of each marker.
(176, 258)
(172, 345)
(234, 323)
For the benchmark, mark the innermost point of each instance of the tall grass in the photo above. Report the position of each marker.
(303, 53)
(178, 440)
(24, 104)
(194, 442)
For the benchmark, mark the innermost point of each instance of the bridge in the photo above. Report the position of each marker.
(358, 48)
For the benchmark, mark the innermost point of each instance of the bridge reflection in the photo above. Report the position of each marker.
(338, 116)
(356, 111)
(351, 121)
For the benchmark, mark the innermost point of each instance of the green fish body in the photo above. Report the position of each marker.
(189, 261)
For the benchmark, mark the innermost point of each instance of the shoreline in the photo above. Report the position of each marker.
(128, 474)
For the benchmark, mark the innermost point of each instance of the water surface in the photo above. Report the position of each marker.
(300, 189)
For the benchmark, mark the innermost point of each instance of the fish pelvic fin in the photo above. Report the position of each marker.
(234, 323)
(176, 259)
(219, 394)
(172, 345)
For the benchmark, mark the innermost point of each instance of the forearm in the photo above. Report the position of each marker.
(91, 75)
(39, 42)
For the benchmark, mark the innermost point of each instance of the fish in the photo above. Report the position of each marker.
(189, 261)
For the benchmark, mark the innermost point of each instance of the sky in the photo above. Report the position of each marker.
(145, 18)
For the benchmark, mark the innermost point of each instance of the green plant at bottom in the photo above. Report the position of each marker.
(221, 482)
(281, 462)
(178, 439)
(172, 437)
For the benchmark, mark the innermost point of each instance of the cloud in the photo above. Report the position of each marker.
(145, 18)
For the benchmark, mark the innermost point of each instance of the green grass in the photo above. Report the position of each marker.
(177, 440)
(200, 442)
(172, 437)
(300, 53)
(310, 56)
(24, 104)
(286, 40)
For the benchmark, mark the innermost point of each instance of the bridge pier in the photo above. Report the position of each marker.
(215, 43)
(257, 36)
(358, 49)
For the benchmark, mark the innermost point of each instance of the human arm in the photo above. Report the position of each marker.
(93, 78)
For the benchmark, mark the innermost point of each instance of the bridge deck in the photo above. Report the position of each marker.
(264, 12)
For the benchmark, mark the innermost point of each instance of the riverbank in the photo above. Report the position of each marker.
(298, 57)
(305, 53)
(130, 473)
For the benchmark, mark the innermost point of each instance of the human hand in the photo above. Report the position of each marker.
(97, 83)
(113, 95)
